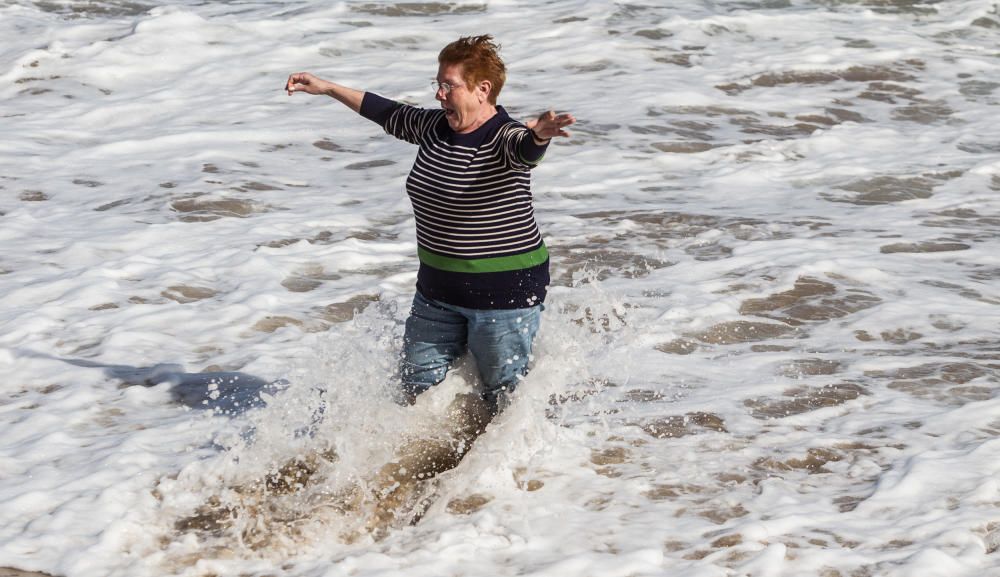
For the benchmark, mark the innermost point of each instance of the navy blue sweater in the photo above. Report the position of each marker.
(477, 239)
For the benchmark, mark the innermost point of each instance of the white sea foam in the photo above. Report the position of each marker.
(770, 346)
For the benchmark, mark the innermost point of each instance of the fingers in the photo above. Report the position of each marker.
(550, 124)
(297, 82)
(562, 121)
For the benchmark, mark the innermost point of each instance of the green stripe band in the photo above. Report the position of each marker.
(530, 162)
(495, 264)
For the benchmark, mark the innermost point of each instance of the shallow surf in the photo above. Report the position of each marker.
(770, 347)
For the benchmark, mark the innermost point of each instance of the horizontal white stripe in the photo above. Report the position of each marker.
(523, 241)
(462, 170)
(484, 231)
(484, 238)
(451, 224)
(461, 192)
(461, 198)
(420, 204)
(469, 209)
(508, 249)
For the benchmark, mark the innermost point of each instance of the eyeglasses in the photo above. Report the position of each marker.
(447, 87)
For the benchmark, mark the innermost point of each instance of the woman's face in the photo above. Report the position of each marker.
(465, 108)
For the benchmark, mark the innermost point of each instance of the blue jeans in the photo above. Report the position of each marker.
(437, 334)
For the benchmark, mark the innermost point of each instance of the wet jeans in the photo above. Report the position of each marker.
(437, 334)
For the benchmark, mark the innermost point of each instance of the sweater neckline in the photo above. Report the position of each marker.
(476, 136)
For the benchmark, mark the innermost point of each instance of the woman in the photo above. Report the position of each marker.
(484, 268)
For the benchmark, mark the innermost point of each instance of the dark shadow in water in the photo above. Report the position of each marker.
(225, 392)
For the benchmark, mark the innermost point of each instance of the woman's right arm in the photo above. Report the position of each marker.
(404, 122)
(306, 82)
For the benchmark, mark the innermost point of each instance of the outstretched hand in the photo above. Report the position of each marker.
(549, 125)
(305, 82)
(311, 84)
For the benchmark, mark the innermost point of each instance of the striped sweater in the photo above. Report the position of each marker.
(477, 239)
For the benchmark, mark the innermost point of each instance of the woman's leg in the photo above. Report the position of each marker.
(500, 340)
(435, 337)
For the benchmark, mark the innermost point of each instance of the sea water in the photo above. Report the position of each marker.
(771, 346)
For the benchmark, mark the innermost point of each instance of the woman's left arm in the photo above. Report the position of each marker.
(548, 125)
(541, 131)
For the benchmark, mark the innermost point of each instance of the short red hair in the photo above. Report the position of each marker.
(480, 60)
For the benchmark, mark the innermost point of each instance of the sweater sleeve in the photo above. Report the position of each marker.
(405, 122)
(520, 148)
(376, 108)
(530, 151)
